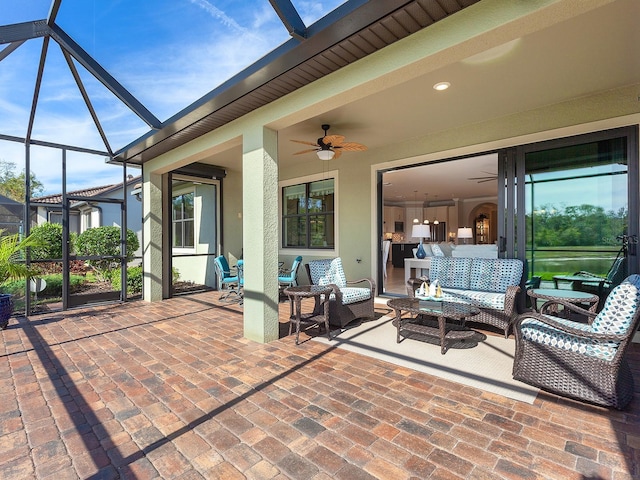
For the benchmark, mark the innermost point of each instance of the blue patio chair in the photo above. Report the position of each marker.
(227, 281)
(289, 278)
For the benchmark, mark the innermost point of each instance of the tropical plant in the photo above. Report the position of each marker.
(12, 256)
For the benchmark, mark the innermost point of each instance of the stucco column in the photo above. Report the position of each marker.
(152, 236)
(260, 234)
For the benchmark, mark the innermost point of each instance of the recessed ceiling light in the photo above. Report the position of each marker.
(441, 86)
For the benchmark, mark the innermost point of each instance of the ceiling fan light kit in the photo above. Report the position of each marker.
(330, 146)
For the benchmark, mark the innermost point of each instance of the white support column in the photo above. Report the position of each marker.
(260, 234)
(152, 236)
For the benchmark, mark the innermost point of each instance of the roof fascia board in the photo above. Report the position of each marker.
(23, 31)
(290, 18)
(348, 19)
(76, 51)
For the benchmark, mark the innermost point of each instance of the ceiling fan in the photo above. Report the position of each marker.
(488, 178)
(330, 146)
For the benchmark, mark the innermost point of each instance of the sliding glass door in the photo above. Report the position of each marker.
(578, 204)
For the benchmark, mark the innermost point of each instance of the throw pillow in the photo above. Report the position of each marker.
(437, 251)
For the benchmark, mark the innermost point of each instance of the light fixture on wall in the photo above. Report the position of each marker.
(464, 233)
(421, 231)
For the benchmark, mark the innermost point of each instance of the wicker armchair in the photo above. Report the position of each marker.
(348, 301)
(581, 360)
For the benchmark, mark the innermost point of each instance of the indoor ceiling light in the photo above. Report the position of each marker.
(325, 154)
(441, 86)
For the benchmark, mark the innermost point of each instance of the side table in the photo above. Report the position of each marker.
(571, 296)
(296, 294)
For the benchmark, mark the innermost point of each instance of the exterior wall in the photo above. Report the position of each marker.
(473, 31)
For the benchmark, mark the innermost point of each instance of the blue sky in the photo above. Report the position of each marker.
(167, 53)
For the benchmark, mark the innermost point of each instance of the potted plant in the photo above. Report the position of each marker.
(12, 267)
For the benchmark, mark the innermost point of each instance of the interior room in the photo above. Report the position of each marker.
(457, 199)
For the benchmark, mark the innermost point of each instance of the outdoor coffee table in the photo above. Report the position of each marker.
(296, 294)
(443, 311)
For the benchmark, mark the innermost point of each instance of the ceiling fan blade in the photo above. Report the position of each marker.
(306, 151)
(333, 140)
(337, 154)
(304, 142)
(488, 180)
(352, 147)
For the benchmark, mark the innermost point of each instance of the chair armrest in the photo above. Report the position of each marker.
(549, 306)
(370, 281)
(589, 275)
(566, 327)
(510, 299)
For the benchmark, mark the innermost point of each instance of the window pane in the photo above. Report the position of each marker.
(187, 200)
(177, 207)
(294, 200)
(188, 234)
(321, 196)
(295, 233)
(322, 234)
(177, 234)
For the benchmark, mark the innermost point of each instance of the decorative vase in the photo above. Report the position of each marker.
(6, 309)
(420, 253)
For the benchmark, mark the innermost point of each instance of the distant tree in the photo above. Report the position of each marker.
(12, 185)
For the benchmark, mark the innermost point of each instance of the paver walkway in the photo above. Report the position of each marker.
(172, 390)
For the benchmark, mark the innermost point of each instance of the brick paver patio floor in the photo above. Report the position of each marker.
(173, 390)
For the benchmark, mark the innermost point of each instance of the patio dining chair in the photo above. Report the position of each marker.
(585, 361)
(289, 278)
(227, 281)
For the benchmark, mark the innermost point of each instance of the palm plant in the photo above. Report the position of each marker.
(13, 267)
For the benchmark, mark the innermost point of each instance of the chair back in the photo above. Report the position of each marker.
(222, 267)
(617, 272)
(292, 276)
(334, 275)
(317, 269)
(621, 309)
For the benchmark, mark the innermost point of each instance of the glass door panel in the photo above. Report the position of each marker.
(576, 207)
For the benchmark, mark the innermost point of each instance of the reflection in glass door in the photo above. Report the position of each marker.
(577, 207)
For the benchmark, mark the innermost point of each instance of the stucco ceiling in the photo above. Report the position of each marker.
(594, 52)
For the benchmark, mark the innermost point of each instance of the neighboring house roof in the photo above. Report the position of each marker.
(91, 192)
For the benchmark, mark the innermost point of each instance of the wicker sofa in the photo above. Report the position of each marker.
(581, 360)
(491, 284)
(350, 300)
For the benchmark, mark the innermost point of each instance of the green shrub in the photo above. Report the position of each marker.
(105, 241)
(49, 236)
(134, 280)
(53, 288)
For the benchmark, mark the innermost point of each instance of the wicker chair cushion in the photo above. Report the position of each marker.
(539, 332)
(619, 308)
(495, 275)
(334, 275)
(318, 269)
(351, 295)
(491, 300)
(451, 272)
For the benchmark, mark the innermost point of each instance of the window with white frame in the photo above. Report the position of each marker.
(183, 220)
(308, 216)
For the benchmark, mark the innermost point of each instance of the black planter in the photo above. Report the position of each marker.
(6, 309)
